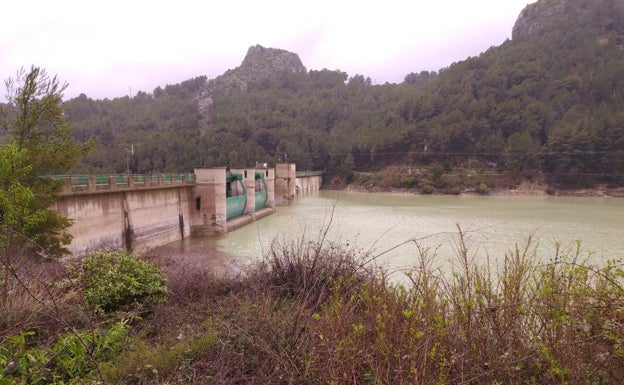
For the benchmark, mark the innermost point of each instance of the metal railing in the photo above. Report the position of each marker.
(97, 183)
(300, 174)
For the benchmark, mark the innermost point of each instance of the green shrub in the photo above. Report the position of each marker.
(142, 362)
(72, 359)
(482, 189)
(437, 170)
(366, 178)
(425, 186)
(119, 281)
(409, 181)
(529, 322)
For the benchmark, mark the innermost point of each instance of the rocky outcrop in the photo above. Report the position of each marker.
(602, 15)
(535, 17)
(260, 64)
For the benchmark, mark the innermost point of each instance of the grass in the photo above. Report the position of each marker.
(316, 313)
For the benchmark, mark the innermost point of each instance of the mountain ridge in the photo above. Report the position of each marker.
(542, 15)
(260, 64)
(547, 102)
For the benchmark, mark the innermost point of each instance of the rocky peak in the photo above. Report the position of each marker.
(534, 17)
(268, 62)
(546, 13)
(259, 64)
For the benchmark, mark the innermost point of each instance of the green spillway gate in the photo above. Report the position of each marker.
(261, 191)
(236, 196)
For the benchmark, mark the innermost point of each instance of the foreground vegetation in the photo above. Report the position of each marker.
(316, 313)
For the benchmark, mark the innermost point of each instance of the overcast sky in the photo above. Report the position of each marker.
(113, 48)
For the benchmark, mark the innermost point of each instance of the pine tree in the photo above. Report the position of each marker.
(38, 143)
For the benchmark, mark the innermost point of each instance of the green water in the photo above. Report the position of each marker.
(384, 225)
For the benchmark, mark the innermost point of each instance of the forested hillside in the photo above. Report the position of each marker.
(548, 102)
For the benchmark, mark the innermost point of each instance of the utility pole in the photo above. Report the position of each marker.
(129, 153)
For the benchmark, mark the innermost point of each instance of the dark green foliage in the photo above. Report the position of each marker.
(35, 120)
(118, 281)
(39, 143)
(72, 359)
(36, 141)
(482, 189)
(544, 103)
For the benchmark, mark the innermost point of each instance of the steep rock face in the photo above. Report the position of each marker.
(541, 15)
(260, 64)
(534, 17)
(265, 63)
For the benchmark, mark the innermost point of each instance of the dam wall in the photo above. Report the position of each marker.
(308, 182)
(140, 212)
(210, 194)
(134, 218)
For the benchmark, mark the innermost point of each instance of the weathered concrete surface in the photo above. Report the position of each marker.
(98, 221)
(308, 183)
(285, 175)
(134, 220)
(210, 211)
(140, 214)
(157, 217)
(269, 180)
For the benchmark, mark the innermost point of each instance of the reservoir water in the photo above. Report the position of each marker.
(386, 224)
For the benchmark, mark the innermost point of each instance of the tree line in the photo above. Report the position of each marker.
(545, 104)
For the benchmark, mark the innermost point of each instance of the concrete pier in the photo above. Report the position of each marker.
(285, 182)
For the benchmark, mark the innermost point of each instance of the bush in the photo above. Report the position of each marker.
(72, 359)
(367, 178)
(309, 270)
(437, 170)
(483, 189)
(409, 181)
(119, 281)
(31, 297)
(425, 187)
(315, 312)
(529, 323)
(144, 363)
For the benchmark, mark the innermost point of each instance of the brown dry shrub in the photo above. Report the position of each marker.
(315, 313)
(40, 298)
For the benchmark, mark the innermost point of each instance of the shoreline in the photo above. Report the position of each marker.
(524, 189)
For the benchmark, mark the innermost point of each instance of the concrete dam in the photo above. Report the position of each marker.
(140, 212)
